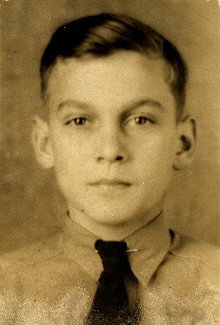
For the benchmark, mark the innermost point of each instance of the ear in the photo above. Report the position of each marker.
(186, 140)
(41, 142)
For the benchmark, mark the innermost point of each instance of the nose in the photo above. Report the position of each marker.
(111, 146)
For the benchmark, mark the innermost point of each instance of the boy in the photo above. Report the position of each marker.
(114, 129)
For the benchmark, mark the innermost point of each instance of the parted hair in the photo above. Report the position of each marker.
(104, 34)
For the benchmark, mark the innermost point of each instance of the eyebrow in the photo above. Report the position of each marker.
(130, 107)
(73, 103)
(145, 102)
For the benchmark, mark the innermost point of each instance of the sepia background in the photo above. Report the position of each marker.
(30, 204)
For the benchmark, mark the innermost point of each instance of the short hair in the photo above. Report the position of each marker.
(104, 34)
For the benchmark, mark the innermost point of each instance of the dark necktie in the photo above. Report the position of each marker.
(116, 301)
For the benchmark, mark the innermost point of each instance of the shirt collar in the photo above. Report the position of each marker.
(147, 247)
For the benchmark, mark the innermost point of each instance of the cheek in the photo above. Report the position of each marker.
(68, 147)
(156, 150)
(70, 164)
(154, 167)
(154, 161)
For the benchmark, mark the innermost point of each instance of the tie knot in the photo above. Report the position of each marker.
(113, 255)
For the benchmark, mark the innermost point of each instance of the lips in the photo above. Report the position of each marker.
(110, 182)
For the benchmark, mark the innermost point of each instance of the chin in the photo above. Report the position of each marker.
(112, 217)
(109, 220)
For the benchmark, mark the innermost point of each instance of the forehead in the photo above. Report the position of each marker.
(115, 79)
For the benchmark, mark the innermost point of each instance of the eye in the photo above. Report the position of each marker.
(77, 121)
(143, 120)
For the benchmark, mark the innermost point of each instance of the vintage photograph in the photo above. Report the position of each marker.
(110, 162)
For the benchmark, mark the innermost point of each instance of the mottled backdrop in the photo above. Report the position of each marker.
(30, 205)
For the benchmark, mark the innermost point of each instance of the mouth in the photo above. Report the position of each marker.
(110, 182)
(110, 189)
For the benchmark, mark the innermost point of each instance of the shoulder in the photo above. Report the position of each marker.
(22, 268)
(38, 281)
(193, 264)
(31, 254)
(195, 252)
(35, 266)
(18, 275)
(188, 280)
(190, 266)
(29, 271)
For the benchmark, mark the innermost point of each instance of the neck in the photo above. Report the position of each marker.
(115, 232)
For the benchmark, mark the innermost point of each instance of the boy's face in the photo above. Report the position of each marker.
(112, 135)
